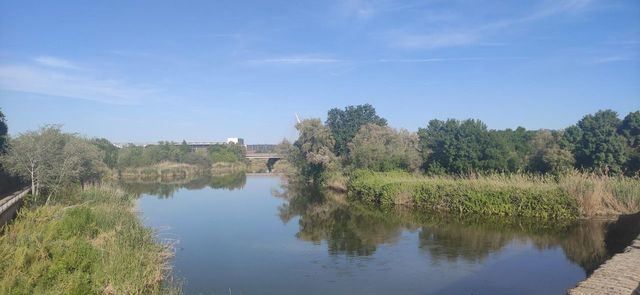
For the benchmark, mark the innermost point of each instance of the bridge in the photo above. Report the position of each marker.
(263, 156)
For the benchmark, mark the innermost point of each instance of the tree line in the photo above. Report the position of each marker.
(52, 160)
(356, 137)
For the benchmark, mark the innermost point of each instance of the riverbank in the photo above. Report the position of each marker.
(571, 196)
(619, 275)
(87, 243)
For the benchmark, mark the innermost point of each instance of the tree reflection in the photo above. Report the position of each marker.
(166, 189)
(354, 229)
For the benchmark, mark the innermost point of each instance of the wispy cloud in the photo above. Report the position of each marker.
(611, 59)
(55, 62)
(294, 60)
(446, 59)
(57, 77)
(464, 34)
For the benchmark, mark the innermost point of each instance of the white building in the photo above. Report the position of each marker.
(235, 140)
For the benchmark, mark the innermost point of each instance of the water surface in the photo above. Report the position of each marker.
(242, 234)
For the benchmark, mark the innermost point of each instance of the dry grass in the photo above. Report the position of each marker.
(602, 195)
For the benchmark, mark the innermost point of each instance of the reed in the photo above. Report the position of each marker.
(89, 243)
(570, 196)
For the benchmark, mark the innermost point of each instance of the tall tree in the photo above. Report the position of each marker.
(344, 124)
(109, 151)
(312, 152)
(3, 133)
(461, 147)
(548, 155)
(381, 148)
(630, 129)
(597, 145)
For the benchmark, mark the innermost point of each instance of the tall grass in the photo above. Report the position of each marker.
(570, 196)
(89, 243)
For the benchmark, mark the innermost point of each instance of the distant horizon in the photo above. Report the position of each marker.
(158, 70)
(248, 141)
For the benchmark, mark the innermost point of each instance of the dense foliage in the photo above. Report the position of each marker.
(90, 242)
(51, 160)
(381, 148)
(312, 153)
(138, 156)
(344, 124)
(3, 133)
(483, 196)
(599, 143)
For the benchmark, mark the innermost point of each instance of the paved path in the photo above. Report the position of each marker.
(619, 275)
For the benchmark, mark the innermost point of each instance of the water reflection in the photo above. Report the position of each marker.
(354, 229)
(166, 189)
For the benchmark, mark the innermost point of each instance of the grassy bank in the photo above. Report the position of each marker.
(88, 243)
(571, 196)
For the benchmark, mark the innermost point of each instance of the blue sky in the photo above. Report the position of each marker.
(139, 71)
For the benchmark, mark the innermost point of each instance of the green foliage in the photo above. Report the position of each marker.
(138, 156)
(548, 155)
(344, 124)
(462, 147)
(109, 151)
(312, 153)
(381, 148)
(98, 246)
(51, 159)
(597, 146)
(3, 133)
(630, 129)
(227, 153)
(491, 196)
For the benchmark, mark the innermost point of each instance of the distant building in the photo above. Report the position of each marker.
(236, 140)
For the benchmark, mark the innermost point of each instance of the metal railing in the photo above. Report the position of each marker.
(8, 201)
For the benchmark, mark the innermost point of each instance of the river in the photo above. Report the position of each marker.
(238, 234)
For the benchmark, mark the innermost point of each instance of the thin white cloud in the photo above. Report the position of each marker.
(611, 59)
(434, 40)
(55, 62)
(294, 60)
(446, 59)
(460, 36)
(51, 77)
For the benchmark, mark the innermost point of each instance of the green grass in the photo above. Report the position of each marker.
(95, 246)
(570, 196)
(498, 195)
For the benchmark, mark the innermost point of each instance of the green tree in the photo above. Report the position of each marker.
(51, 159)
(227, 153)
(312, 152)
(109, 150)
(344, 124)
(461, 147)
(630, 129)
(3, 133)
(381, 148)
(548, 155)
(596, 144)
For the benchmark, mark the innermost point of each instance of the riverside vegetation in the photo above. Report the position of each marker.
(74, 235)
(91, 242)
(591, 168)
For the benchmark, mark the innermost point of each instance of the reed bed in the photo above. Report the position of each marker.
(570, 196)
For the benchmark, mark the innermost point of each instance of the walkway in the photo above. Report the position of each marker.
(619, 275)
